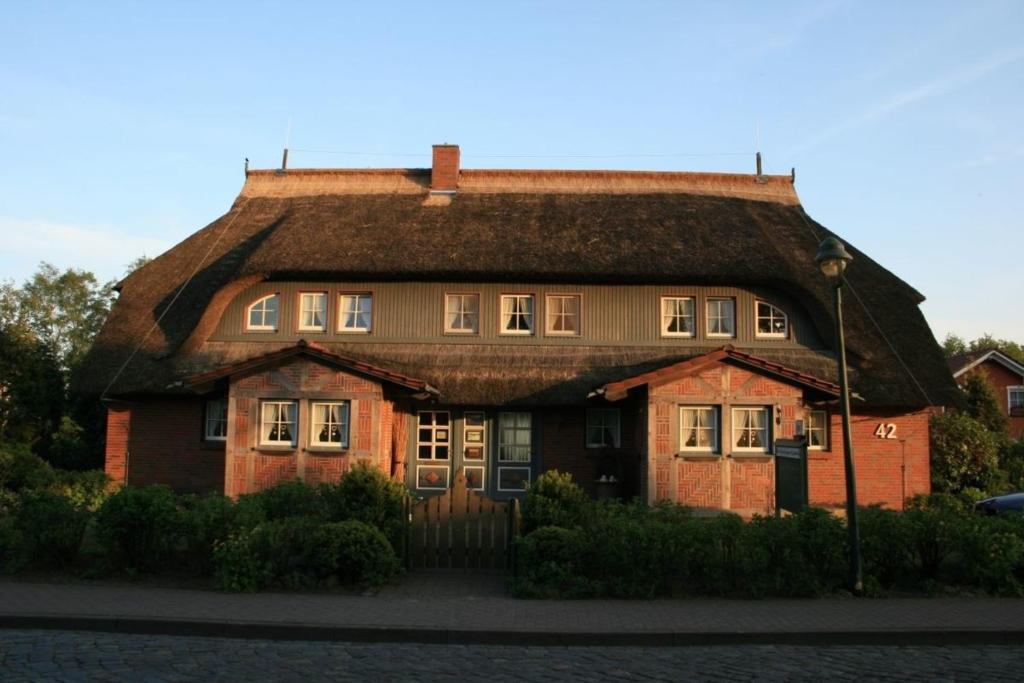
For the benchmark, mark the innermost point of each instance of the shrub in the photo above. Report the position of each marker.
(366, 494)
(50, 530)
(137, 528)
(21, 470)
(553, 500)
(885, 548)
(549, 559)
(204, 521)
(302, 552)
(804, 555)
(87, 490)
(285, 499)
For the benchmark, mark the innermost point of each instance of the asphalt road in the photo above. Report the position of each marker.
(76, 656)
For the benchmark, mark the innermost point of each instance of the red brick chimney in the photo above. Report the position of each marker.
(444, 174)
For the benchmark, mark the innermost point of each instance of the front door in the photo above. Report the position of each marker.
(445, 441)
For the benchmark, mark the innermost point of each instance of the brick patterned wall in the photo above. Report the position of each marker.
(159, 441)
(251, 468)
(747, 484)
(115, 463)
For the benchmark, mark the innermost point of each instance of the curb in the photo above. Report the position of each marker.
(387, 634)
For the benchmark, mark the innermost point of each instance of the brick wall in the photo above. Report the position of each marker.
(159, 441)
(563, 448)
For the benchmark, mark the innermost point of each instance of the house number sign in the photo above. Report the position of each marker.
(886, 430)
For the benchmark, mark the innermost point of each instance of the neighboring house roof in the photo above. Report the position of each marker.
(669, 373)
(963, 362)
(536, 226)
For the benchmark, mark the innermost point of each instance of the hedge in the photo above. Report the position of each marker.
(612, 549)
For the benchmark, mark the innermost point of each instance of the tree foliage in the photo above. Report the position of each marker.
(964, 453)
(46, 327)
(954, 344)
(983, 405)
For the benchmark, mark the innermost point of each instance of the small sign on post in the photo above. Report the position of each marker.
(790, 475)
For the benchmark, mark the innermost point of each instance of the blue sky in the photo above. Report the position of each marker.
(123, 127)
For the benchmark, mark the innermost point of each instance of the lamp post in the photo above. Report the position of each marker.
(833, 258)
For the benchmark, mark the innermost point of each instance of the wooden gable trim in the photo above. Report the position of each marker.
(316, 352)
(616, 391)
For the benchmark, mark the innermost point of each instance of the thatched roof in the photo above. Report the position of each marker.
(578, 227)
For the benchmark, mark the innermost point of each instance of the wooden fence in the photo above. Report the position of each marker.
(461, 529)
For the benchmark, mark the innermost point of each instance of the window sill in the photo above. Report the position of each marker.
(739, 455)
(327, 450)
(698, 455)
(274, 450)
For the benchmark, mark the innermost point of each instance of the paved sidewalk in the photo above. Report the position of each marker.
(468, 608)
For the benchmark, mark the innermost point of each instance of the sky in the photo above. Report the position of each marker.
(124, 126)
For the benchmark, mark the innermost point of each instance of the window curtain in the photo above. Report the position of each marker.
(689, 427)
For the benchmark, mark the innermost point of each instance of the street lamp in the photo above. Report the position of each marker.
(833, 258)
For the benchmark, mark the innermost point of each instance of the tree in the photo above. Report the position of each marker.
(32, 389)
(983, 405)
(954, 344)
(964, 454)
(64, 310)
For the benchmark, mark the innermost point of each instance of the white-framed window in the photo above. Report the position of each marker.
(721, 317)
(216, 420)
(770, 320)
(1015, 398)
(698, 429)
(516, 314)
(562, 313)
(262, 314)
(677, 316)
(515, 437)
(817, 430)
(462, 313)
(603, 428)
(329, 423)
(313, 311)
(750, 427)
(433, 434)
(355, 312)
(278, 423)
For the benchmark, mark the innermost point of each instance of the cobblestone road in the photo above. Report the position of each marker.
(73, 656)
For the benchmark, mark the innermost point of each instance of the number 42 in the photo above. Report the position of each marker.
(886, 430)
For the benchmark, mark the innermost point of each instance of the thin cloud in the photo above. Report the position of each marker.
(943, 85)
(104, 251)
(991, 159)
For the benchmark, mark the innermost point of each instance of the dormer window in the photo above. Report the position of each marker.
(313, 311)
(462, 313)
(563, 315)
(355, 313)
(677, 316)
(262, 314)
(772, 323)
(721, 318)
(516, 314)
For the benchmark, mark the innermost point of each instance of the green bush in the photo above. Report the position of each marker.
(87, 490)
(554, 499)
(366, 494)
(50, 529)
(285, 499)
(21, 470)
(551, 561)
(302, 552)
(205, 520)
(885, 549)
(138, 529)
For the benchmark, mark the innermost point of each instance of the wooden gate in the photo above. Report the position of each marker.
(461, 529)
